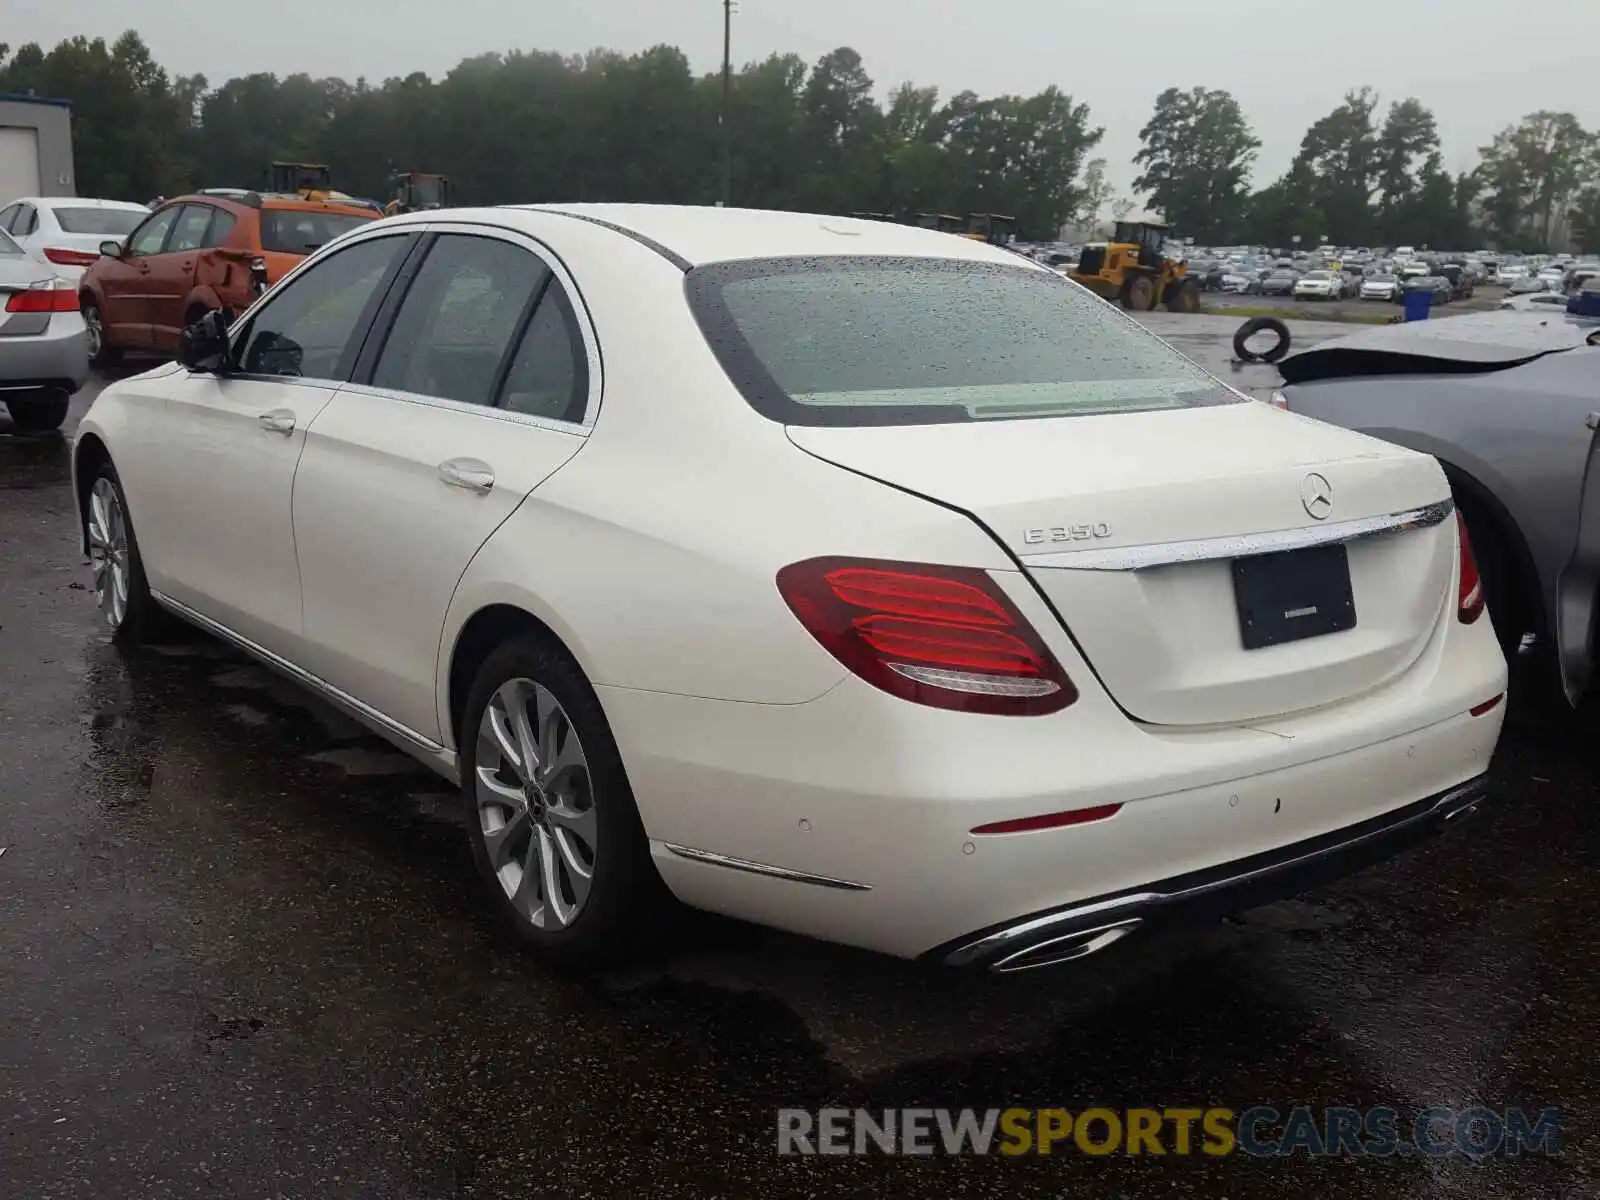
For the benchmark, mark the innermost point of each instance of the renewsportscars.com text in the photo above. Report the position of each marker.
(1262, 1131)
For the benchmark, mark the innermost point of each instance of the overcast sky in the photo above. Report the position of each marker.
(1479, 64)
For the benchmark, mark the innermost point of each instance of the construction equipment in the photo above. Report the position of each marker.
(993, 228)
(943, 222)
(417, 190)
(1135, 270)
(309, 181)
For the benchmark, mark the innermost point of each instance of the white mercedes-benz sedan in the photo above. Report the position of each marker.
(854, 578)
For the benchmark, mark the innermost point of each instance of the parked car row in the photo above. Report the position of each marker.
(85, 280)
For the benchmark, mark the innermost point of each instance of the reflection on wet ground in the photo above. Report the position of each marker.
(242, 956)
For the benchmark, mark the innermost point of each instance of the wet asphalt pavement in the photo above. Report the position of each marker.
(241, 955)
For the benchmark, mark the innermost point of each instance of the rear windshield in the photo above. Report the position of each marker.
(302, 230)
(103, 222)
(893, 341)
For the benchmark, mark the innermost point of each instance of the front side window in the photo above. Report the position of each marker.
(882, 341)
(308, 327)
(190, 231)
(8, 247)
(148, 238)
(8, 216)
(459, 318)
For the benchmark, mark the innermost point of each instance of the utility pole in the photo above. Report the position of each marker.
(727, 93)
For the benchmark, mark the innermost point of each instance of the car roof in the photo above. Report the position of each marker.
(75, 202)
(699, 235)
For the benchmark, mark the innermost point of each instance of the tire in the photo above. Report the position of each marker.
(579, 812)
(110, 534)
(1183, 297)
(40, 413)
(1257, 325)
(100, 354)
(1139, 294)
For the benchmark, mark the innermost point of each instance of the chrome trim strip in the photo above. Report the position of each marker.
(436, 755)
(744, 864)
(1455, 802)
(492, 412)
(1160, 554)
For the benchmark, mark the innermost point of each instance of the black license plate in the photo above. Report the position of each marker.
(1294, 595)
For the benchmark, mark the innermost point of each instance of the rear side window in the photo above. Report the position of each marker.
(459, 318)
(302, 230)
(549, 374)
(884, 341)
(190, 231)
(101, 222)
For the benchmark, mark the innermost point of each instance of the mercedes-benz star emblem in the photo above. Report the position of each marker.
(1316, 493)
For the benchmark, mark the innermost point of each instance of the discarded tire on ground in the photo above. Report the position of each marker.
(1257, 325)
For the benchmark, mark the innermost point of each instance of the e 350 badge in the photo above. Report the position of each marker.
(1066, 533)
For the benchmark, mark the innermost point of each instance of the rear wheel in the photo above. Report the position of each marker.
(100, 353)
(1139, 294)
(1183, 296)
(41, 412)
(557, 840)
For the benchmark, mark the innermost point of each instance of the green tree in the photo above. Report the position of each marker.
(1531, 172)
(1339, 158)
(1196, 158)
(1407, 155)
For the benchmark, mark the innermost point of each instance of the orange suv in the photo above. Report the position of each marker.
(194, 254)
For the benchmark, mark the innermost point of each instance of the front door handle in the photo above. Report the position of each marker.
(279, 420)
(473, 474)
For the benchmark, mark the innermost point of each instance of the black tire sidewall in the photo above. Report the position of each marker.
(1257, 325)
(143, 616)
(39, 413)
(626, 899)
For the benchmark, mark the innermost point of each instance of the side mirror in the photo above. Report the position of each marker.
(111, 249)
(205, 343)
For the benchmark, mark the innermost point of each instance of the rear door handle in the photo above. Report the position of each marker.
(278, 420)
(473, 474)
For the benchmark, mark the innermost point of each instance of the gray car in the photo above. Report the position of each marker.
(1509, 403)
(44, 352)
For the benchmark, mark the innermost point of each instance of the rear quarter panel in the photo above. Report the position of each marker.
(1521, 433)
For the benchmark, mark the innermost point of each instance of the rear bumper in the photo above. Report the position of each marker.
(57, 358)
(1078, 930)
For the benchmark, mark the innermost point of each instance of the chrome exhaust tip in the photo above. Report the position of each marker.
(1070, 947)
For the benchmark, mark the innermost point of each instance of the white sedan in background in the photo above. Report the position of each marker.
(1319, 285)
(839, 575)
(66, 231)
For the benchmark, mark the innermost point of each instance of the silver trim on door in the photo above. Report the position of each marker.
(430, 752)
(1160, 554)
(711, 858)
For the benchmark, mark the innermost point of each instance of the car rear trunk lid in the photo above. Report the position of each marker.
(1131, 525)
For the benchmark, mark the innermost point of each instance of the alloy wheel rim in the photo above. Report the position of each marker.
(535, 804)
(91, 325)
(108, 552)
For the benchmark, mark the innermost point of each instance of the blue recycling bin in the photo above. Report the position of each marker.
(1418, 303)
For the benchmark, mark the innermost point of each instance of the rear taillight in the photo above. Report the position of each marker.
(45, 296)
(69, 258)
(943, 636)
(1469, 601)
